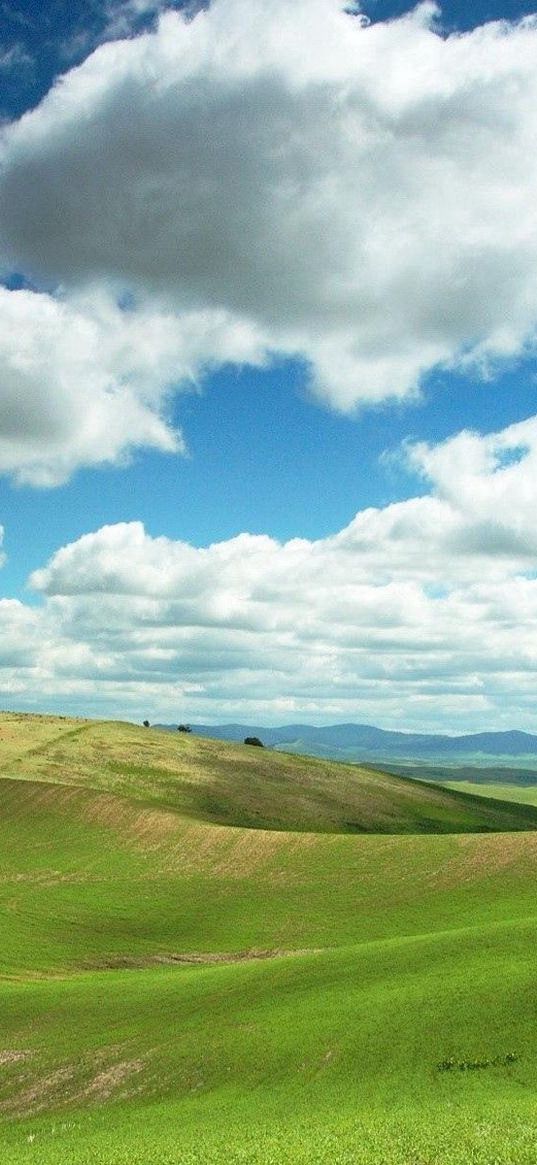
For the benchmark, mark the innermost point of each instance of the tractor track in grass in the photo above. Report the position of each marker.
(195, 959)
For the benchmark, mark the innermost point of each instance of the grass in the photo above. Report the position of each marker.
(230, 784)
(521, 794)
(126, 1066)
(184, 991)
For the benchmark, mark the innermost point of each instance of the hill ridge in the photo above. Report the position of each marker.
(366, 742)
(231, 784)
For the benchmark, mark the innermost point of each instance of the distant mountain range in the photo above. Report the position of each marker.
(363, 742)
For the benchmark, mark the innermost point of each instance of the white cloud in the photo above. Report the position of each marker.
(123, 17)
(267, 178)
(115, 20)
(21, 638)
(364, 196)
(406, 617)
(82, 382)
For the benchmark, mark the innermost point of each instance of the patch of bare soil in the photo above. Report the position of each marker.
(108, 1080)
(479, 856)
(253, 849)
(197, 958)
(193, 958)
(12, 1056)
(63, 1086)
(40, 1094)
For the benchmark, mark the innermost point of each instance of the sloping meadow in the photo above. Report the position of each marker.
(177, 989)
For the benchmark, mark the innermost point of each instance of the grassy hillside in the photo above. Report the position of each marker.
(330, 1057)
(521, 794)
(233, 784)
(181, 991)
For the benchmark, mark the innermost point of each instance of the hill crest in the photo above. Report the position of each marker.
(226, 783)
(365, 742)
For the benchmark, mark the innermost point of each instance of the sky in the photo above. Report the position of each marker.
(268, 308)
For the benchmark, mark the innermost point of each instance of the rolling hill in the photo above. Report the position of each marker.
(180, 988)
(233, 784)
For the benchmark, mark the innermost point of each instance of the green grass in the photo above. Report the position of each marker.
(261, 1081)
(230, 784)
(384, 956)
(521, 794)
(88, 878)
(508, 773)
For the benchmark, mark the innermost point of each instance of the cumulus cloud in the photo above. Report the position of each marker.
(83, 382)
(360, 196)
(21, 641)
(418, 613)
(116, 20)
(258, 178)
(125, 17)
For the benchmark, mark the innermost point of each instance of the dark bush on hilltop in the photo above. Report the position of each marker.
(254, 740)
(184, 728)
(146, 724)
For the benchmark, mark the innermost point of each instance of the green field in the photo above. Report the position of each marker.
(521, 794)
(219, 954)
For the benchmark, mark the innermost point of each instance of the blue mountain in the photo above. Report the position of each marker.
(364, 742)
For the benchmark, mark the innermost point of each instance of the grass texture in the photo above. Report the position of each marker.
(177, 987)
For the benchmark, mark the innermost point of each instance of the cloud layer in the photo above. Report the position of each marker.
(360, 196)
(417, 615)
(264, 179)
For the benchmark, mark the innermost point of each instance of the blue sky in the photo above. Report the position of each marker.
(267, 406)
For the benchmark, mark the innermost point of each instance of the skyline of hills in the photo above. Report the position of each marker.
(365, 742)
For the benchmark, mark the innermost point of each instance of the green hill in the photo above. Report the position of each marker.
(234, 784)
(179, 990)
